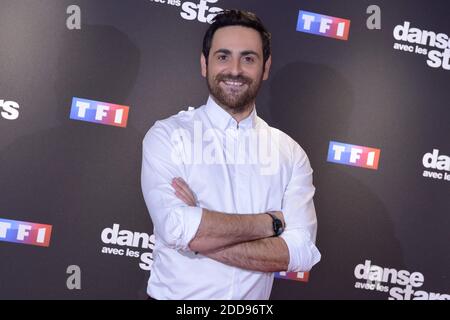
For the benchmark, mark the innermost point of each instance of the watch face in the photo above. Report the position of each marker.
(278, 226)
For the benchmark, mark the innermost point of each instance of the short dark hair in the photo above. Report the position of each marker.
(228, 18)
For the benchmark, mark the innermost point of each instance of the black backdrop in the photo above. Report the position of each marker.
(83, 178)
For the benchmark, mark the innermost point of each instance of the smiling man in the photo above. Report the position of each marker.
(231, 198)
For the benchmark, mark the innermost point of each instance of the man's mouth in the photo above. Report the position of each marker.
(233, 83)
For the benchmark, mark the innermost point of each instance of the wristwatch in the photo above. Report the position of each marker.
(277, 225)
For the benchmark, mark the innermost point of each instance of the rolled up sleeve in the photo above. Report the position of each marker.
(300, 216)
(174, 222)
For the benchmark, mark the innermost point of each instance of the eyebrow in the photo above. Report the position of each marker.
(249, 52)
(242, 53)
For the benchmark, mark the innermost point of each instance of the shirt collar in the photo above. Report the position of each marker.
(222, 119)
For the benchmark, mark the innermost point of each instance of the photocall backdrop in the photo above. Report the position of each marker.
(362, 86)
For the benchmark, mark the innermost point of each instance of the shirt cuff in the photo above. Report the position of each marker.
(191, 218)
(303, 254)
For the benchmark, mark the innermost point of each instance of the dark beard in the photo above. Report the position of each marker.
(235, 103)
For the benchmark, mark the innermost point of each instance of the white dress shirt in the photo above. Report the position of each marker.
(230, 168)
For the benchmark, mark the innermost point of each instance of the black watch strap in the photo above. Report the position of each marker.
(277, 225)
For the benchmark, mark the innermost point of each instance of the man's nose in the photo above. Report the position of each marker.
(236, 67)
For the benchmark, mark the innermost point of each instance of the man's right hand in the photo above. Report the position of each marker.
(280, 216)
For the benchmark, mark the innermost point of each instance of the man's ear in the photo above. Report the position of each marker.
(203, 65)
(267, 68)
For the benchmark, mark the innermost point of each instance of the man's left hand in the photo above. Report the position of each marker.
(183, 192)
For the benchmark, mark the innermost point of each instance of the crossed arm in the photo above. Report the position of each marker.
(240, 240)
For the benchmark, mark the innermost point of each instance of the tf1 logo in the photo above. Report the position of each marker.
(296, 276)
(25, 232)
(99, 112)
(322, 25)
(352, 155)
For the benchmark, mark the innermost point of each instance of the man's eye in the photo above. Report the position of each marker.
(222, 57)
(249, 59)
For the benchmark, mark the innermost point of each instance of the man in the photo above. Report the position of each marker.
(226, 217)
